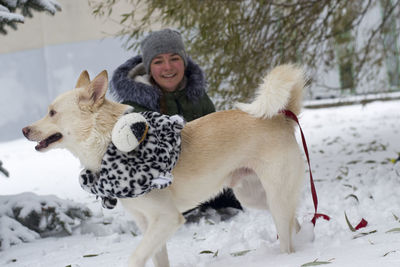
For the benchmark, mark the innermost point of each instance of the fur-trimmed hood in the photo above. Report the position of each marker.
(130, 83)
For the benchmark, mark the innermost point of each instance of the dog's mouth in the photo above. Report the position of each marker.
(49, 140)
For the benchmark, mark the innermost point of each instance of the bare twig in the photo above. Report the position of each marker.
(4, 171)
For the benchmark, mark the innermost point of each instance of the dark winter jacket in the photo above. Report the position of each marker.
(131, 85)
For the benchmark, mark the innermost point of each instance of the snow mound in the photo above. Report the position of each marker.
(27, 216)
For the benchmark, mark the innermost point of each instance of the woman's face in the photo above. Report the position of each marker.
(167, 70)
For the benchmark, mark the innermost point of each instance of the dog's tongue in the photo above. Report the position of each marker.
(42, 144)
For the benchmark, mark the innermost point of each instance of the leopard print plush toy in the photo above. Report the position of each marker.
(144, 149)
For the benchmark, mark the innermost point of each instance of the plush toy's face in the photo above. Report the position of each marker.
(129, 131)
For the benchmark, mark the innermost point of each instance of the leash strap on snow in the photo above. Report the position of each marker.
(317, 215)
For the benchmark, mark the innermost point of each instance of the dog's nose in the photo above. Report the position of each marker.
(26, 131)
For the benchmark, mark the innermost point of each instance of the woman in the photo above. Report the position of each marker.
(163, 79)
(166, 80)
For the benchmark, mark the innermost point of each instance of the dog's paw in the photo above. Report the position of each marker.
(129, 131)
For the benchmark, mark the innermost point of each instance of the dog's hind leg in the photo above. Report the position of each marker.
(162, 220)
(283, 216)
(248, 189)
(250, 192)
(282, 185)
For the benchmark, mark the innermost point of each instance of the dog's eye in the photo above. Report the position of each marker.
(52, 113)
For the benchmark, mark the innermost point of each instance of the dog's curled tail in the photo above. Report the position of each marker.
(281, 89)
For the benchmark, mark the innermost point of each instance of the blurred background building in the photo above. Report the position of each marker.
(46, 54)
(44, 58)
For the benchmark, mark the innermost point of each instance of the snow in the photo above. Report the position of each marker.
(11, 3)
(13, 233)
(45, 215)
(5, 15)
(49, 5)
(353, 151)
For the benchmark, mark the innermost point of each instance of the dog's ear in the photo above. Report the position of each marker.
(83, 79)
(94, 95)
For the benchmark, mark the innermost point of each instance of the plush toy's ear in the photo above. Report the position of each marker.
(139, 129)
(83, 79)
(94, 94)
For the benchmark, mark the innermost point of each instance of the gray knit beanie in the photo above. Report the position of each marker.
(162, 42)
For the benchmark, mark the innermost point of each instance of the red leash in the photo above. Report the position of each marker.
(317, 215)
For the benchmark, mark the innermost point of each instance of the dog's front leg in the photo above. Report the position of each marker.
(160, 258)
(162, 219)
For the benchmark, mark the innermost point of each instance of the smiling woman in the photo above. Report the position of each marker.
(165, 79)
(167, 70)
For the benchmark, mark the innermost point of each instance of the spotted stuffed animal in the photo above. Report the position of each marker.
(144, 149)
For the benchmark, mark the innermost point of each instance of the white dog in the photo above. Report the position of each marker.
(252, 150)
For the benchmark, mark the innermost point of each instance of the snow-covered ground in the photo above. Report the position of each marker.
(351, 148)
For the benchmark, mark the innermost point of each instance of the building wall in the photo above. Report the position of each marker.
(75, 23)
(45, 56)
